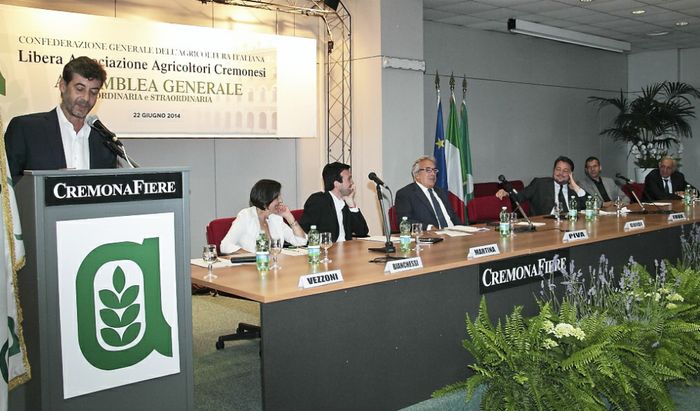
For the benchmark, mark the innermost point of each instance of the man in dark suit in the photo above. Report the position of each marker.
(61, 138)
(334, 210)
(422, 202)
(665, 182)
(544, 192)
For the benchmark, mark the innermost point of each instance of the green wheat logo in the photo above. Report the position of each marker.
(2, 84)
(129, 330)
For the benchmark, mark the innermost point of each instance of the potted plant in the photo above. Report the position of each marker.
(653, 122)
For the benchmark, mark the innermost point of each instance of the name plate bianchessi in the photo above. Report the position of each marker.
(634, 225)
(406, 264)
(483, 251)
(677, 217)
(319, 279)
(575, 236)
(514, 272)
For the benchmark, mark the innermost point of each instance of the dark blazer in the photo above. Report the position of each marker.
(654, 186)
(540, 194)
(411, 202)
(319, 210)
(33, 142)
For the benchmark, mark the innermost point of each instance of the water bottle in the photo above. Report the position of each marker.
(590, 211)
(262, 252)
(573, 209)
(405, 228)
(597, 203)
(314, 246)
(504, 226)
(688, 195)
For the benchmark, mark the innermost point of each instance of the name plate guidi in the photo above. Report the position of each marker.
(319, 279)
(406, 264)
(575, 236)
(634, 225)
(112, 188)
(513, 272)
(483, 251)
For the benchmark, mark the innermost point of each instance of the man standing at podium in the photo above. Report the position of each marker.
(61, 138)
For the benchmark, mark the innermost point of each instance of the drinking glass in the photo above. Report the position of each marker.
(513, 219)
(416, 232)
(618, 206)
(276, 245)
(556, 210)
(326, 243)
(209, 256)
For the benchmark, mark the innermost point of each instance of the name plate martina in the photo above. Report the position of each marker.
(112, 188)
(575, 236)
(319, 279)
(634, 225)
(406, 264)
(513, 272)
(483, 251)
(677, 217)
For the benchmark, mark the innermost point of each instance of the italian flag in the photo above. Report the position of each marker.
(460, 182)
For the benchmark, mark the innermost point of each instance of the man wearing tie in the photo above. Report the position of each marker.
(665, 182)
(544, 192)
(421, 201)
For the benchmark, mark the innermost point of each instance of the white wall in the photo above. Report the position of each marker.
(527, 99)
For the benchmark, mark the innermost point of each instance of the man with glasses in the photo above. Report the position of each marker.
(544, 192)
(665, 182)
(421, 201)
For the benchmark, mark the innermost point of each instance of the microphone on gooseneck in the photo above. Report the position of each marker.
(621, 177)
(94, 122)
(373, 176)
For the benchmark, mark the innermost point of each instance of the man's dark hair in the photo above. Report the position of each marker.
(331, 173)
(89, 68)
(264, 192)
(565, 159)
(589, 159)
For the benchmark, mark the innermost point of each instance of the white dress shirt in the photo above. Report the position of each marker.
(442, 206)
(76, 146)
(246, 227)
(339, 205)
(565, 190)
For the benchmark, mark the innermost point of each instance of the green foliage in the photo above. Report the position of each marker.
(615, 343)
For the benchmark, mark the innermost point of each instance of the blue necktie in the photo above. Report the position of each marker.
(438, 211)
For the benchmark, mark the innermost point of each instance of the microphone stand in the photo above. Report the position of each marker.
(388, 245)
(120, 151)
(514, 199)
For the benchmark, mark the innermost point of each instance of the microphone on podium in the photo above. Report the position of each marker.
(373, 176)
(94, 122)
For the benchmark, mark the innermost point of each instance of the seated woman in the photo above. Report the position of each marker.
(267, 213)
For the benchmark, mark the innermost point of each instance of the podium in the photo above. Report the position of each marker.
(105, 292)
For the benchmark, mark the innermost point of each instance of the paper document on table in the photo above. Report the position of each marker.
(220, 263)
(658, 204)
(295, 251)
(453, 233)
(380, 238)
(466, 229)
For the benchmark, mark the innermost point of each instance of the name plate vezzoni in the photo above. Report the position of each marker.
(406, 264)
(575, 236)
(501, 274)
(483, 251)
(634, 225)
(319, 279)
(677, 217)
(92, 189)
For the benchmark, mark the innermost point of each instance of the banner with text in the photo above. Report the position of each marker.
(163, 80)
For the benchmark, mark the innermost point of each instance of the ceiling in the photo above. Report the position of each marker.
(606, 18)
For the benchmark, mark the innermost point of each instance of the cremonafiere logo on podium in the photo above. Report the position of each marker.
(119, 325)
(117, 301)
